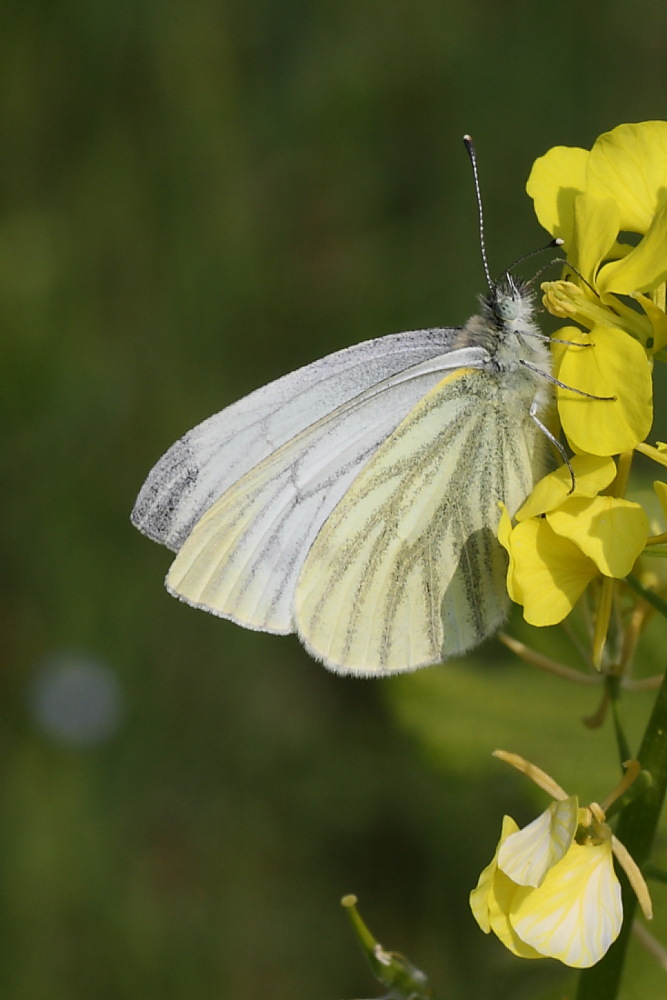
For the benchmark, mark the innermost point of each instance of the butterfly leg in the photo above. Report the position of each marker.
(554, 440)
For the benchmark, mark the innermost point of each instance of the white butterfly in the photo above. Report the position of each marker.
(355, 501)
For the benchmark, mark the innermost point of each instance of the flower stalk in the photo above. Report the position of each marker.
(404, 980)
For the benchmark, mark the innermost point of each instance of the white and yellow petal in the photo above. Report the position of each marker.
(576, 914)
(491, 900)
(527, 855)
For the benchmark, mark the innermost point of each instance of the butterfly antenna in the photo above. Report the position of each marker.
(470, 149)
(551, 245)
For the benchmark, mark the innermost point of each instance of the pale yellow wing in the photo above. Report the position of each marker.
(407, 570)
(242, 558)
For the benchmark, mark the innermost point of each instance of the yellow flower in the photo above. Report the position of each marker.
(551, 890)
(609, 207)
(546, 574)
(562, 540)
(591, 200)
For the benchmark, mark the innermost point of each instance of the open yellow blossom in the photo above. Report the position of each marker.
(551, 890)
(613, 289)
(546, 574)
(589, 199)
(566, 537)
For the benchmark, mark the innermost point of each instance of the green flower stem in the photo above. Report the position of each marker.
(613, 687)
(636, 830)
(650, 596)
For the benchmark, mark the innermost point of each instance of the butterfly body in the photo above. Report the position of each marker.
(355, 501)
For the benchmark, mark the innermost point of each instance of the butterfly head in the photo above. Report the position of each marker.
(509, 305)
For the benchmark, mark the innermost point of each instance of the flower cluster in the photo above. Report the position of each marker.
(609, 208)
(551, 890)
(565, 537)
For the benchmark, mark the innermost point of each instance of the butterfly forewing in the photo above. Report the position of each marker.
(243, 557)
(213, 456)
(407, 569)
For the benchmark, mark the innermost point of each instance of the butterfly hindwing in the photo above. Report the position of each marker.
(407, 569)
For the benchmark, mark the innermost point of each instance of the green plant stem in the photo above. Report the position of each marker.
(613, 688)
(636, 830)
(650, 596)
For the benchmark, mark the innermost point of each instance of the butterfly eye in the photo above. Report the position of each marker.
(507, 308)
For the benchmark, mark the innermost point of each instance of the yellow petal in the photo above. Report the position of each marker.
(661, 491)
(610, 531)
(491, 899)
(644, 267)
(592, 473)
(505, 539)
(480, 895)
(616, 365)
(549, 572)
(658, 320)
(505, 526)
(576, 914)
(527, 856)
(629, 164)
(596, 221)
(500, 899)
(555, 180)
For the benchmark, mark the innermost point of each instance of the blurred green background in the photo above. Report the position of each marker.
(196, 198)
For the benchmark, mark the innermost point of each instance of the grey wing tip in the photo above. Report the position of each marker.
(151, 520)
(161, 521)
(161, 511)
